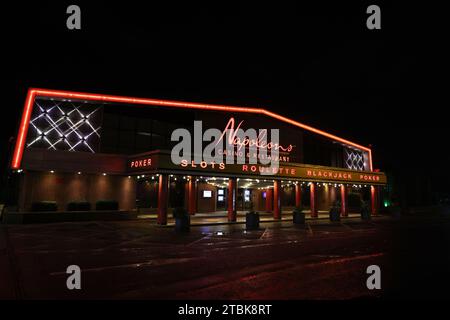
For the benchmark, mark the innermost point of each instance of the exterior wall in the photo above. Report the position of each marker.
(288, 197)
(176, 193)
(326, 195)
(354, 198)
(147, 193)
(206, 204)
(64, 161)
(66, 187)
(120, 132)
(259, 202)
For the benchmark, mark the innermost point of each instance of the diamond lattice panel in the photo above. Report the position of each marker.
(65, 125)
(354, 160)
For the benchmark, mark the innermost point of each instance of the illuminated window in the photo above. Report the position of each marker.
(65, 125)
(354, 159)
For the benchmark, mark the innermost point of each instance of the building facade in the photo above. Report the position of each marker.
(90, 147)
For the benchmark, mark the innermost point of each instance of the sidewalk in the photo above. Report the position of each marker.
(218, 218)
(8, 287)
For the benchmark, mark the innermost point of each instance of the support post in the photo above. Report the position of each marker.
(312, 189)
(276, 200)
(344, 211)
(298, 195)
(374, 201)
(231, 199)
(269, 199)
(192, 203)
(163, 189)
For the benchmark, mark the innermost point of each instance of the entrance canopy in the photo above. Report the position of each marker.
(159, 161)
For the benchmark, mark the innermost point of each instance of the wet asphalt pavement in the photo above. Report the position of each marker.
(140, 260)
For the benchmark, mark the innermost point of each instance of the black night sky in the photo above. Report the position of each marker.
(317, 64)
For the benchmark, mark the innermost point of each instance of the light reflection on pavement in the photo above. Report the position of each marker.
(140, 260)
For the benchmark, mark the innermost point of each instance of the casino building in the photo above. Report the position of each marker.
(86, 147)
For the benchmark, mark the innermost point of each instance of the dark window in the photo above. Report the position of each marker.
(131, 129)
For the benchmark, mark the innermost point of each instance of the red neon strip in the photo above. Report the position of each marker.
(306, 127)
(24, 123)
(155, 102)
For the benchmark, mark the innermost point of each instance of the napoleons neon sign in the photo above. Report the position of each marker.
(230, 145)
(260, 142)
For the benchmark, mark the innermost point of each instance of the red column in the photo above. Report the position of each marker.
(269, 199)
(312, 189)
(231, 199)
(298, 195)
(186, 195)
(373, 198)
(378, 195)
(192, 205)
(163, 189)
(276, 200)
(344, 212)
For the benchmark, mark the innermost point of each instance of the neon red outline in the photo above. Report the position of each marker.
(23, 129)
(32, 93)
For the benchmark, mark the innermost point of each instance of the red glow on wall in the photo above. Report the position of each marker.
(24, 123)
(32, 93)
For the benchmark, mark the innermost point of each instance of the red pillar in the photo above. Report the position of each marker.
(192, 203)
(298, 195)
(231, 199)
(276, 200)
(269, 199)
(378, 195)
(312, 189)
(344, 211)
(373, 198)
(163, 189)
(186, 195)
